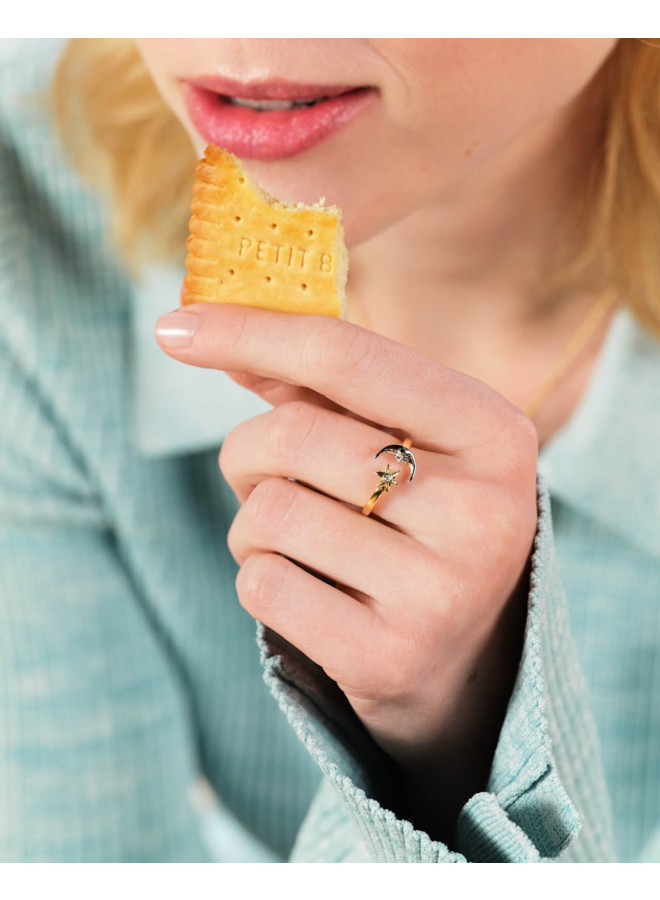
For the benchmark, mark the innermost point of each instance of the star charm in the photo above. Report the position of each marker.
(387, 478)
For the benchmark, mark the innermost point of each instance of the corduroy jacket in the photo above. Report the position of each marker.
(129, 670)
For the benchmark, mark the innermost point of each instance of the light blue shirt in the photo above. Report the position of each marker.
(129, 673)
(178, 408)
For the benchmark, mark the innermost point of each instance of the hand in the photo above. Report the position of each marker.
(422, 629)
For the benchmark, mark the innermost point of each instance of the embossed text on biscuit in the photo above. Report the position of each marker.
(278, 254)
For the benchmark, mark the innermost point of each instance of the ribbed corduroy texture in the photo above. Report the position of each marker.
(127, 664)
(126, 661)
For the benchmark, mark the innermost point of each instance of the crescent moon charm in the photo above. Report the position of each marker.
(402, 454)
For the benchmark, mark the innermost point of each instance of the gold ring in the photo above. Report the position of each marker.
(387, 478)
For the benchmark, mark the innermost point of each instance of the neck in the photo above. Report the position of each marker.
(462, 278)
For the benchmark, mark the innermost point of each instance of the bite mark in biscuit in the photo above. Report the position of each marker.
(247, 247)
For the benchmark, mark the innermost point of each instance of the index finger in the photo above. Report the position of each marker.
(374, 376)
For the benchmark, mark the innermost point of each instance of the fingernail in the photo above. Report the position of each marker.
(176, 329)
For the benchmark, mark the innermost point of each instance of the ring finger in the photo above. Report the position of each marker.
(330, 453)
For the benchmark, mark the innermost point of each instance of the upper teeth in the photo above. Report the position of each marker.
(268, 105)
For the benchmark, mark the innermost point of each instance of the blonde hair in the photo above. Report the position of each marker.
(123, 138)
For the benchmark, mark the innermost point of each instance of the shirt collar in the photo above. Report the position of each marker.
(604, 462)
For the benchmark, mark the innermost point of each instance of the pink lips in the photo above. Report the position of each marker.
(272, 134)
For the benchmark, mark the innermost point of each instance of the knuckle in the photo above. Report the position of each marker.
(231, 539)
(528, 436)
(227, 455)
(403, 676)
(522, 448)
(270, 508)
(288, 429)
(337, 348)
(506, 523)
(235, 331)
(408, 654)
(222, 458)
(259, 583)
(503, 525)
(442, 600)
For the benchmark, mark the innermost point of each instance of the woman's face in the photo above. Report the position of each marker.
(431, 111)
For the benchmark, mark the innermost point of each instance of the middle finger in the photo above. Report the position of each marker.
(319, 533)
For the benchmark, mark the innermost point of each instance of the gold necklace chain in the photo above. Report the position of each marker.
(571, 351)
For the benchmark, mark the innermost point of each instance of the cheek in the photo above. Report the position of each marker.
(155, 52)
(465, 98)
(159, 55)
